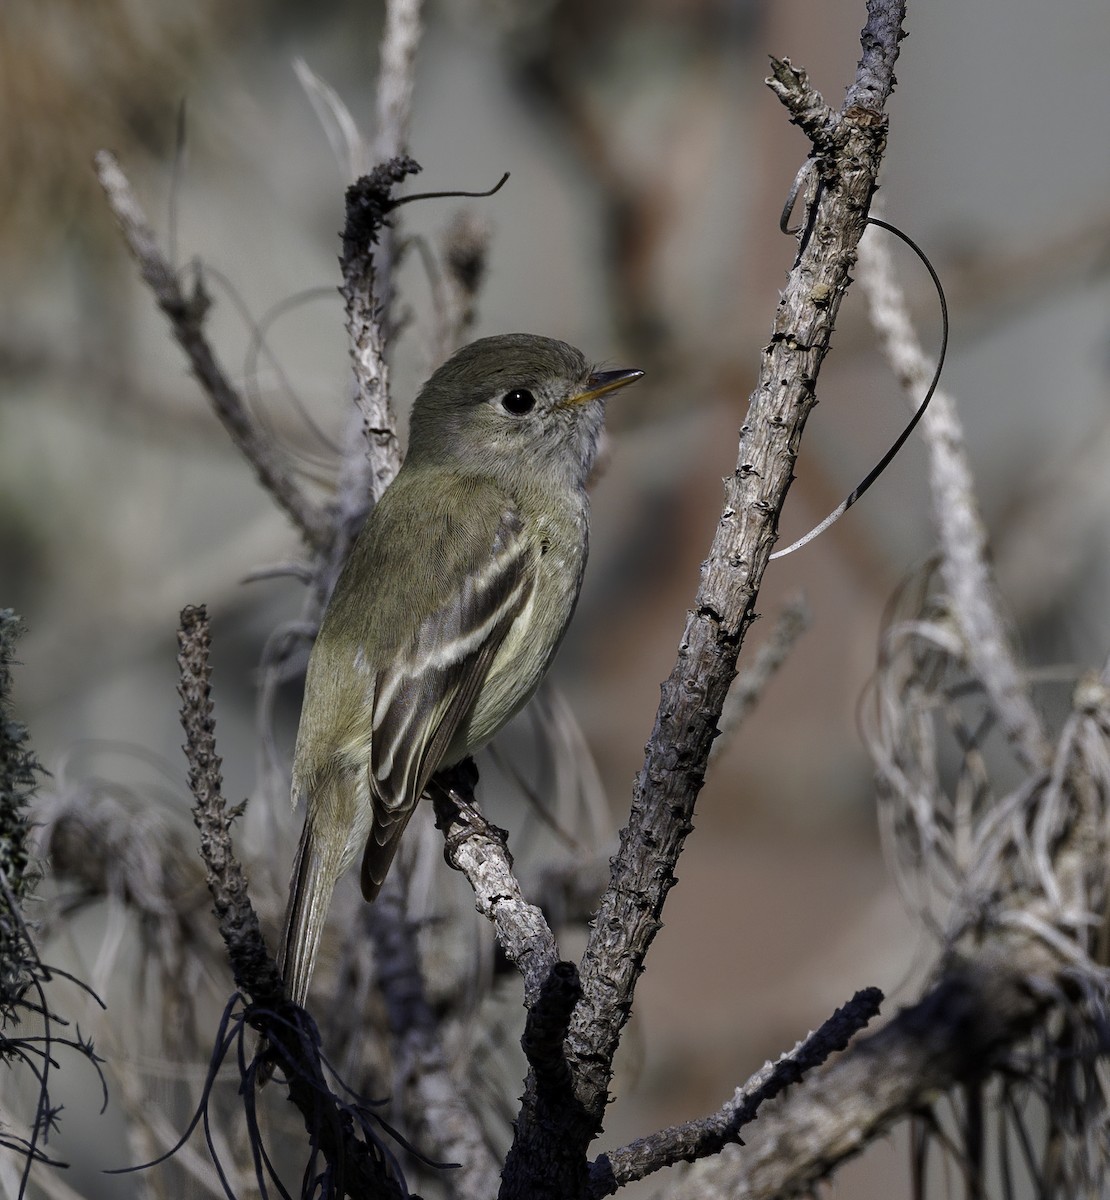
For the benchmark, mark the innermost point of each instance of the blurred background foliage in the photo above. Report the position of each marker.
(649, 164)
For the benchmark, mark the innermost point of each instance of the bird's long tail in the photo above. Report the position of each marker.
(310, 890)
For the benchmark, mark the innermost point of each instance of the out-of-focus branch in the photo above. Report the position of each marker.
(31, 1032)
(1013, 880)
(637, 208)
(568, 892)
(20, 771)
(438, 1115)
(996, 283)
(967, 575)
(700, 1139)
(743, 696)
(464, 253)
(186, 316)
(400, 40)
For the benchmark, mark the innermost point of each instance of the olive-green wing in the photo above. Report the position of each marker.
(391, 678)
(430, 687)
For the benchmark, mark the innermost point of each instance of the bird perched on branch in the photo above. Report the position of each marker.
(449, 610)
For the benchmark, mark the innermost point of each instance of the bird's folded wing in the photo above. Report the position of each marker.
(431, 686)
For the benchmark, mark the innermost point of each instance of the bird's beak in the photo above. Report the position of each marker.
(602, 382)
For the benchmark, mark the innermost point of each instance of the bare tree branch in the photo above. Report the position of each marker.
(253, 968)
(367, 265)
(551, 987)
(367, 474)
(400, 40)
(360, 1168)
(961, 1030)
(701, 1139)
(186, 316)
(464, 253)
(477, 848)
(850, 147)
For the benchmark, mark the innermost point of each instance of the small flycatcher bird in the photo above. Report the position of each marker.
(449, 610)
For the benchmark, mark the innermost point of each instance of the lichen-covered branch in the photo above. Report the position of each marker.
(365, 330)
(255, 972)
(369, 250)
(372, 450)
(551, 987)
(478, 850)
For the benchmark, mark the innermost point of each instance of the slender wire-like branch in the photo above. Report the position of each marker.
(850, 145)
(965, 568)
(186, 316)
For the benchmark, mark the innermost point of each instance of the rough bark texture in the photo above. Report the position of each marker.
(851, 147)
(548, 1156)
(707, 1136)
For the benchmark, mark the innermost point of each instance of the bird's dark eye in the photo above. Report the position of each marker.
(518, 402)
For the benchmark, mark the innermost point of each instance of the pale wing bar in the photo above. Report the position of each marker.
(434, 684)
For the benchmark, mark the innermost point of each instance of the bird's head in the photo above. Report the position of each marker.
(515, 402)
